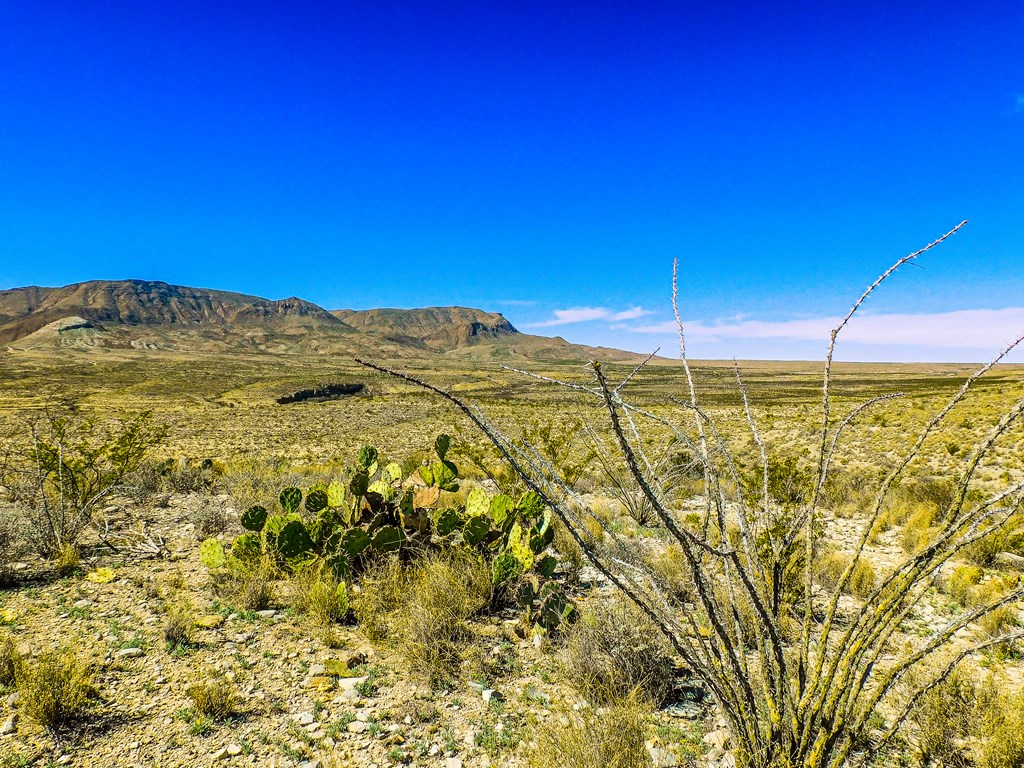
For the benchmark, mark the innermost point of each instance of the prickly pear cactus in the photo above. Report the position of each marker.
(293, 540)
(290, 499)
(254, 518)
(335, 494)
(211, 553)
(477, 502)
(316, 500)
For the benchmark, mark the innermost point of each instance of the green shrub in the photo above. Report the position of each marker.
(583, 738)
(214, 698)
(54, 688)
(614, 651)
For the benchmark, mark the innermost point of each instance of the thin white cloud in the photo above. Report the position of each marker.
(968, 328)
(630, 314)
(572, 315)
(589, 314)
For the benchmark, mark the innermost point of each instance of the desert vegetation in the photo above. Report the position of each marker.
(648, 565)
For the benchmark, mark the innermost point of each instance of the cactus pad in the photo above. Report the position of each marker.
(211, 552)
(476, 530)
(477, 502)
(290, 499)
(254, 518)
(293, 540)
(388, 539)
(355, 541)
(316, 500)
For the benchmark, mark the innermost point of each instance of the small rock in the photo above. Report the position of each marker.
(453, 762)
(84, 603)
(10, 725)
(130, 653)
(317, 669)
(267, 614)
(357, 726)
(490, 695)
(350, 683)
(220, 754)
(233, 749)
(729, 761)
(304, 718)
(209, 621)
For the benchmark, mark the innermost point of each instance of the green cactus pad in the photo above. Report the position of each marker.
(366, 457)
(441, 446)
(383, 489)
(555, 607)
(546, 566)
(476, 529)
(447, 521)
(501, 506)
(392, 473)
(526, 593)
(316, 500)
(354, 542)
(530, 505)
(340, 567)
(505, 568)
(290, 499)
(294, 540)
(477, 502)
(541, 541)
(335, 494)
(359, 484)
(211, 553)
(247, 548)
(388, 539)
(254, 518)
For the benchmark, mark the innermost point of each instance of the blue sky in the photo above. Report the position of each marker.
(544, 160)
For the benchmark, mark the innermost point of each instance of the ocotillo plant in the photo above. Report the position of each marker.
(803, 678)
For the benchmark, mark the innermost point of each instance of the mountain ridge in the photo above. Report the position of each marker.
(152, 314)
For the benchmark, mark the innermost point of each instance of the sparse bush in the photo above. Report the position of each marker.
(54, 688)
(942, 718)
(830, 567)
(8, 659)
(614, 737)
(614, 651)
(214, 698)
(178, 628)
(68, 465)
(12, 543)
(962, 582)
(248, 588)
(317, 593)
(430, 626)
(917, 529)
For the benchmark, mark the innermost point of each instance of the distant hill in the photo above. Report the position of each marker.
(155, 315)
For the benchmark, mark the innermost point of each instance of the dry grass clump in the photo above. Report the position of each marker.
(178, 628)
(830, 567)
(614, 650)
(944, 717)
(248, 588)
(54, 688)
(918, 529)
(674, 578)
(215, 698)
(382, 590)
(1009, 538)
(999, 727)
(12, 543)
(613, 737)
(423, 609)
(67, 559)
(317, 593)
(8, 656)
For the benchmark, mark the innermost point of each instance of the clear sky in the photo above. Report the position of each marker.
(544, 160)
